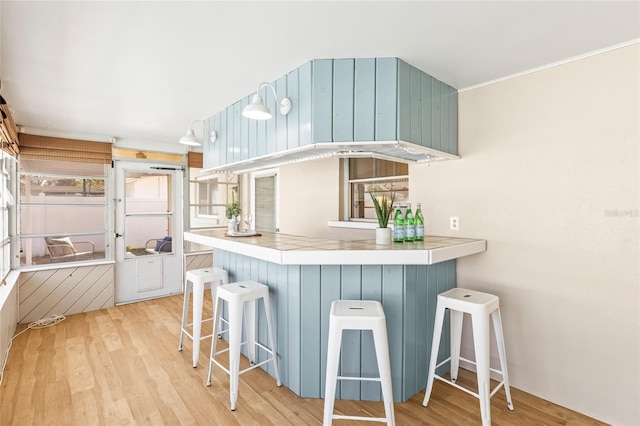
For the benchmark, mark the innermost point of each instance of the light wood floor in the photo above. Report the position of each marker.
(121, 366)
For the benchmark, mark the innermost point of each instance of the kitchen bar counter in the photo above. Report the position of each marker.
(305, 275)
(285, 249)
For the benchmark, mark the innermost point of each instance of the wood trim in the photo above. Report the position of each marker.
(8, 130)
(61, 149)
(195, 159)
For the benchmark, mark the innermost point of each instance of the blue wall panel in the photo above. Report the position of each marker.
(370, 99)
(244, 131)
(404, 101)
(281, 120)
(426, 111)
(343, 91)
(436, 89)
(301, 297)
(392, 301)
(311, 348)
(386, 99)
(293, 123)
(351, 351)
(371, 290)
(305, 86)
(416, 105)
(322, 87)
(364, 100)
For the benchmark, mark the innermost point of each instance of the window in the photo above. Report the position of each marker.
(7, 191)
(382, 177)
(63, 211)
(209, 195)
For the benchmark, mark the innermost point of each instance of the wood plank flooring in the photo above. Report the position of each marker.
(121, 366)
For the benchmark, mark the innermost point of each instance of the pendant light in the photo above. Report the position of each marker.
(257, 110)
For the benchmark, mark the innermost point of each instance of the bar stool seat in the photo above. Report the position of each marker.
(481, 307)
(358, 315)
(195, 282)
(236, 295)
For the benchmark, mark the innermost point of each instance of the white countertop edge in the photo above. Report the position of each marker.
(236, 246)
(357, 257)
(459, 250)
(351, 224)
(342, 257)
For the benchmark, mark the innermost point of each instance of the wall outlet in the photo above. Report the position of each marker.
(454, 223)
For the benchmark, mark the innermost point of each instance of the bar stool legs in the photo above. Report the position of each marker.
(194, 284)
(482, 307)
(357, 315)
(236, 295)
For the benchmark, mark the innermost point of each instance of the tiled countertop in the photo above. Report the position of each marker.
(297, 250)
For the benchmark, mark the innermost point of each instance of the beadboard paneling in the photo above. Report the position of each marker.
(340, 100)
(301, 297)
(198, 261)
(65, 291)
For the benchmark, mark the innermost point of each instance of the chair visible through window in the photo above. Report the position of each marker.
(158, 245)
(63, 249)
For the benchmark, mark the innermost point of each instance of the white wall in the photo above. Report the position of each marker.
(309, 197)
(549, 175)
(548, 160)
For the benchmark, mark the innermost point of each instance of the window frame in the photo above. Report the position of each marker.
(104, 202)
(346, 187)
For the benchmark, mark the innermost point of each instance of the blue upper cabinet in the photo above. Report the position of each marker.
(340, 101)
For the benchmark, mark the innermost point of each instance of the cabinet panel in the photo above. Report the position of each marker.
(343, 86)
(364, 100)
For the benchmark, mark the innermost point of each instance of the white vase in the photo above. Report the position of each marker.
(383, 236)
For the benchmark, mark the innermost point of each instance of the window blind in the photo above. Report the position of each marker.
(59, 149)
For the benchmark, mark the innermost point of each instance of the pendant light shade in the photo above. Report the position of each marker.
(257, 110)
(189, 139)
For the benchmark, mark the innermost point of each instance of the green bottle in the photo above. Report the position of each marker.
(419, 224)
(398, 227)
(410, 226)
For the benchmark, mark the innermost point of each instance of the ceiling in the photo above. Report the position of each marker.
(143, 71)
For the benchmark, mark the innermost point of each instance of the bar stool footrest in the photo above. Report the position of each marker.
(454, 384)
(365, 419)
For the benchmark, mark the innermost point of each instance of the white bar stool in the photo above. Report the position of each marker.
(358, 315)
(480, 306)
(195, 282)
(236, 294)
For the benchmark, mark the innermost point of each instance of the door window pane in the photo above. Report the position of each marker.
(148, 223)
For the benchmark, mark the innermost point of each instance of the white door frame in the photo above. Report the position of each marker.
(133, 272)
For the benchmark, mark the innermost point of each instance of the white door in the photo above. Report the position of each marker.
(148, 229)
(264, 195)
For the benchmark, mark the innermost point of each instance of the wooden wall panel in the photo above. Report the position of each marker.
(65, 291)
(301, 298)
(405, 105)
(386, 99)
(293, 120)
(364, 100)
(341, 100)
(306, 125)
(343, 93)
(281, 121)
(426, 90)
(322, 92)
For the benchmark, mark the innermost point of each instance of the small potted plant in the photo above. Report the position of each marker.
(233, 212)
(384, 208)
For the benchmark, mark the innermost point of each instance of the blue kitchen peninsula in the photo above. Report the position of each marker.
(306, 274)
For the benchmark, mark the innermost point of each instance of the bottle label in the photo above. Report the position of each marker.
(419, 230)
(411, 232)
(398, 233)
